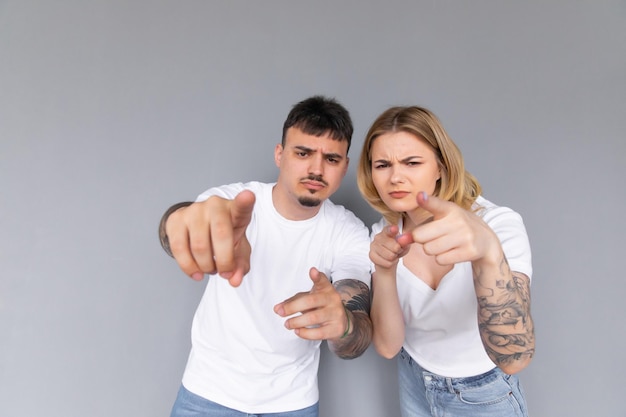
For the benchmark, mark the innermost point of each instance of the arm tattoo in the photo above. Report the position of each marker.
(504, 319)
(165, 242)
(356, 297)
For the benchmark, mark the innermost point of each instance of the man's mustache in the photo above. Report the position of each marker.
(317, 178)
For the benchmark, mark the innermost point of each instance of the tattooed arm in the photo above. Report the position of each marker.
(356, 298)
(504, 320)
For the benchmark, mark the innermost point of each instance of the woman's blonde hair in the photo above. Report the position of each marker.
(456, 184)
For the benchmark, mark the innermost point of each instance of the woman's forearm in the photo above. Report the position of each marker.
(387, 317)
(504, 319)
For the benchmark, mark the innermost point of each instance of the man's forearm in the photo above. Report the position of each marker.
(165, 243)
(356, 297)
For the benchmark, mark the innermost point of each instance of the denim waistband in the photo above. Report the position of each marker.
(455, 384)
(460, 384)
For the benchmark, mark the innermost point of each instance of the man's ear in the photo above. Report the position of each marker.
(278, 153)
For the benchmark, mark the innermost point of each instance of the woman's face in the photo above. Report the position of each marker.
(402, 166)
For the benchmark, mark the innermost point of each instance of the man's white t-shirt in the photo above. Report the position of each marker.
(441, 326)
(242, 355)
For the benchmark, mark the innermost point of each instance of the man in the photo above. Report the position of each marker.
(287, 269)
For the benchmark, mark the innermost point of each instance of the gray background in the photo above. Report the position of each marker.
(110, 111)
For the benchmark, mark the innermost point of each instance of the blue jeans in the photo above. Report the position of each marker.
(424, 394)
(188, 404)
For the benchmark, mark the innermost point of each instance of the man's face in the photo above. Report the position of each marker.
(311, 168)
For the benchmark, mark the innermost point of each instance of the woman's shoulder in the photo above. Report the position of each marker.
(489, 210)
(379, 225)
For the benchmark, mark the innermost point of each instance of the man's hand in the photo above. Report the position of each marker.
(323, 314)
(210, 237)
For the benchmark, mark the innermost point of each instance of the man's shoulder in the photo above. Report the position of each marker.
(340, 214)
(231, 190)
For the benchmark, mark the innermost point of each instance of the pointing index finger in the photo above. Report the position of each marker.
(228, 227)
(434, 205)
(241, 210)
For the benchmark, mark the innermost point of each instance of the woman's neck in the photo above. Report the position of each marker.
(411, 220)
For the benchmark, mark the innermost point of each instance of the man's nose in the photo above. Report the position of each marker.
(317, 164)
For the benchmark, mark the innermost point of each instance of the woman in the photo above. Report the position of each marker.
(451, 281)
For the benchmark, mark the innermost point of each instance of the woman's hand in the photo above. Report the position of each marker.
(388, 247)
(454, 235)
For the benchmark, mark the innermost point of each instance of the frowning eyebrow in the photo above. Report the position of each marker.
(403, 160)
(309, 151)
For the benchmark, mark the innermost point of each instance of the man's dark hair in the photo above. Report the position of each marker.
(319, 115)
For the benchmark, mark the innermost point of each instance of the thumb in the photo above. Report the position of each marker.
(434, 205)
(319, 278)
(392, 230)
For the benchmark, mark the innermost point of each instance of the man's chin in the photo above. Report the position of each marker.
(309, 202)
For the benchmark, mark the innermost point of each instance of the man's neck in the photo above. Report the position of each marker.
(290, 208)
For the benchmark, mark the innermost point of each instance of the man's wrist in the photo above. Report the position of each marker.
(347, 332)
(165, 242)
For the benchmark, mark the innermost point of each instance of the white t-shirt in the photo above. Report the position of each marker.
(441, 326)
(242, 355)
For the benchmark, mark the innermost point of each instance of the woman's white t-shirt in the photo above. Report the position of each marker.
(441, 326)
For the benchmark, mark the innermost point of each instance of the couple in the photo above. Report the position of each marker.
(449, 271)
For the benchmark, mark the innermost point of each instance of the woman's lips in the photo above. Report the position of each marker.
(399, 194)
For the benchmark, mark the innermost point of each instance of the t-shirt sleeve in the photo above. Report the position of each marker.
(509, 227)
(376, 229)
(351, 252)
(225, 191)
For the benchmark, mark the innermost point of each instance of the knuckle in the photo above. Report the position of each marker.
(310, 301)
(174, 219)
(212, 200)
(177, 245)
(199, 244)
(467, 235)
(206, 265)
(314, 316)
(221, 230)
(187, 214)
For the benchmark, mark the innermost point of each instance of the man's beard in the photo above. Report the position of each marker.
(309, 202)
